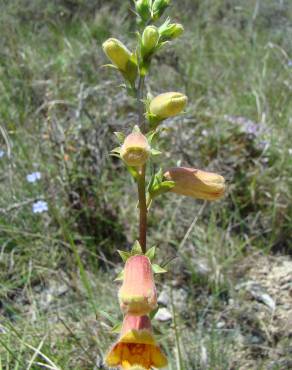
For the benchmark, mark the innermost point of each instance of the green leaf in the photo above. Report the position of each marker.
(120, 136)
(117, 328)
(136, 250)
(151, 253)
(124, 255)
(158, 269)
(120, 276)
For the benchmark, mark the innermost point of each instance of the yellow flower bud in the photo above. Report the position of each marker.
(117, 52)
(169, 31)
(135, 150)
(167, 105)
(150, 39)
(196, 183)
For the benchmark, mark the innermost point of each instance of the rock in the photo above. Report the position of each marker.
(258, 293)
(163, 298)
(163, 315)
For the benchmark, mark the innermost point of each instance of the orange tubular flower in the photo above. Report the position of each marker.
(138, 293)
(196, 183)
(136, 348)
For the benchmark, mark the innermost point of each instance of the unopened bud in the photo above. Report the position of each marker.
(170, 31)
(135, 150)
(158, 8)
(117, 52)
(143, 9)
(150, 39)
(167, 105)
(196, 183)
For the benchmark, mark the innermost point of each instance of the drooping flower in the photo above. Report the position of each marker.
(136, 348)
(167, 105)
(196, 183)
(138, 293)
(33, 177)
(135, 150)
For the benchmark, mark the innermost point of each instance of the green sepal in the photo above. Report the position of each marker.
(151, 253)
(109, 66)
(155, 152)
(161, 188)
(116, 150)
(124, 255)
(136, 249)
(117, 327)
(120, 276)
(158, 269)
(120, 136)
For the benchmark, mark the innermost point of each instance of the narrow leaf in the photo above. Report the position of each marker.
(158, 269)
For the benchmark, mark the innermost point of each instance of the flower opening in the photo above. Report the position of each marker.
(136, 348)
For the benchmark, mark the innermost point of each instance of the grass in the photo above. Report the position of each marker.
(58, 108)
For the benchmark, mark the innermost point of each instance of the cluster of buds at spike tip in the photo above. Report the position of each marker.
(196, 183)
(137, 295)
(166, 105)
(135, 150)
(136, 348)
(121, 58)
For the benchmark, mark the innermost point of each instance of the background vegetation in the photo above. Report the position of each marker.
(58, 109)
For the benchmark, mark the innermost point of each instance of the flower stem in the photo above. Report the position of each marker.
(142, 209)
(142, 174)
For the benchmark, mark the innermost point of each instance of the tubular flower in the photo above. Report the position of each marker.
(136, 349)
(196, 183)
(167, 105)
(150, 39)
(117, 52)
(137, 295)
(135, 150)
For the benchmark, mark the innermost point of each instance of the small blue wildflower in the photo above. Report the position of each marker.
(33, 177)
(40, 206)
(2, 153)
(289, 64)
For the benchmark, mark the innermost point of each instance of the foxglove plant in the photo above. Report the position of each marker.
(136, 347)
